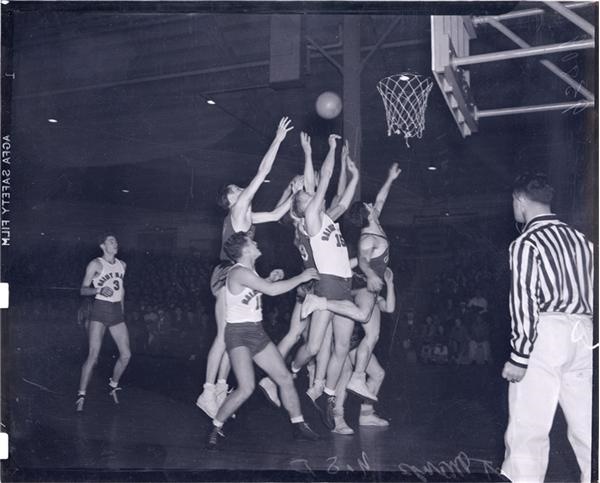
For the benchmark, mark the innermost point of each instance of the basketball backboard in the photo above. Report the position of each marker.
(450, 37)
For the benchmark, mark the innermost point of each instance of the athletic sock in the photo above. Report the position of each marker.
(81, 393)
(217, 423)
(112, 383)
(366, 408)
(221, 382)
(208, 386)
(319, 382)
(297, 419)
(329, 392)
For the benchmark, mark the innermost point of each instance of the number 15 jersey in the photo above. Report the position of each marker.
(329, 250)
(111, 276)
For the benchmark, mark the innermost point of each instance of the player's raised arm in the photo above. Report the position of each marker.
(337, 211)
(342, 180)
(243, 277)
(313, 210)
(265, 166)
(309, 170)
(385, 189)
(283, 205)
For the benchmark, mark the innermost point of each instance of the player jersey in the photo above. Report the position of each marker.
(229, 230)
(243, 307)
(329, 250)
(302, 242)
(380, 262)
(111, 276)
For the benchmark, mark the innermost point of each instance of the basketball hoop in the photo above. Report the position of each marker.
(405, 99)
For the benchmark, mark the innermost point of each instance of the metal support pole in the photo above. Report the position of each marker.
(518, 53)
(380, 41)
(529, 12)
(561, 106)
(551, 66)
(582, 23)
(351, 76)
(325, 54)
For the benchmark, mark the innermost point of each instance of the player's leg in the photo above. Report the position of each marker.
(357, 383)
(318, 325)
(359, 310)
(270, 360)
(95, 336)
(297, 326)
(341, 427)
(317, 385)
(207, 401)
(342, 332)
(241, 362)
(375, 376)
(120, 335)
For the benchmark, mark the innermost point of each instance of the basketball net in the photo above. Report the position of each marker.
(405, 99)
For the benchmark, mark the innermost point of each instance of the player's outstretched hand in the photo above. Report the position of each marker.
(345, 150)
(394, 171)
(106, 292)
(305, 142)
(352, 167)
(310, 274)
(513, 373)
(276, 275)
(374, 283)
(388, 275)
(333, 140)
(283, 128)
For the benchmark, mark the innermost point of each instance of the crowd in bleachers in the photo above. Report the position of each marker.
(455, 324)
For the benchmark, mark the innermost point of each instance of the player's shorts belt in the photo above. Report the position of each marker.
(108, 313)
(333, 287)
(247, 334)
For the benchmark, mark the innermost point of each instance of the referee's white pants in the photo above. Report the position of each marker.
(559, 372)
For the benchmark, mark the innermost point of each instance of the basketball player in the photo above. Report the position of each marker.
(246, 340)
(240, 218)
(373, 257)
(375, 373)
(302, 242)
(332, 261)
(104, 280)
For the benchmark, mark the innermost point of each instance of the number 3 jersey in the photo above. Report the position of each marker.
(243, 307)
(329, 250)
(110, 276)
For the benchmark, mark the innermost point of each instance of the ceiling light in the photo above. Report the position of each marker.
(403, 77)
(53, 121)
(4, 2)
(432, 168)
(211, 102)
(125, 191)
(267, 181)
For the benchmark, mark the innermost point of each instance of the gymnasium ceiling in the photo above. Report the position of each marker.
(129, 89)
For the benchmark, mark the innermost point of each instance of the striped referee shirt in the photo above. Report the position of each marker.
(552, 267)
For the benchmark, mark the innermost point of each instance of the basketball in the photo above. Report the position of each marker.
(328, 105)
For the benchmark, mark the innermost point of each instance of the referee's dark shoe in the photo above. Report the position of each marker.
(304, 431)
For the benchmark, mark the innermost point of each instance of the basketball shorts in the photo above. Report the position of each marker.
(108, 313)
(303, 290)
(359, 279)
(247, 334)
(333, 288)
(219, 276)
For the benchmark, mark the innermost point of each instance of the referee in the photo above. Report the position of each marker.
(551, 300)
